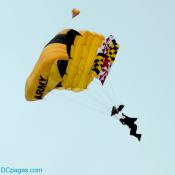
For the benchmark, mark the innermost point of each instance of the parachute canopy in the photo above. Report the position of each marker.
(69, 61)
(75, 12)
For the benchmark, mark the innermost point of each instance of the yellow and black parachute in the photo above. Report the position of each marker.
(70, 61)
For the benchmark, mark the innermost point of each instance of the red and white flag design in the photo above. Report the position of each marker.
(105, 70)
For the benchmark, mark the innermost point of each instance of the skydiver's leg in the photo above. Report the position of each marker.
(133, 132)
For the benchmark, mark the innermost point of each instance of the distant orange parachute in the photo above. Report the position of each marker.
(75, 12)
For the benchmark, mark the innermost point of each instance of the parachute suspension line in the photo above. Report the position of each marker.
(94, 108)
(97, 96)
(110, 97)
(111, 87)
(95, 99)
(87, 106)
(114, 92)
(103, 94)
(101, 98)
(95, 102)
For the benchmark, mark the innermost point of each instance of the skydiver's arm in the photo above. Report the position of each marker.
(122, 122)
(124, 115)
(133, 119)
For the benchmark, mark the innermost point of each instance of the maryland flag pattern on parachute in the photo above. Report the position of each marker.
(105, 58)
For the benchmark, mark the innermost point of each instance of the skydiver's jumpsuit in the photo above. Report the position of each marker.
(130, 123)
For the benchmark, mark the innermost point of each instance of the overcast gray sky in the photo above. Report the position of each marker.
(69, 133)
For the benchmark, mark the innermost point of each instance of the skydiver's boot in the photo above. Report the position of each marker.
(138, 136)
(133, 133)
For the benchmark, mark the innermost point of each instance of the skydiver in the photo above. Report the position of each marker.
(116, 110)
(130, 123)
